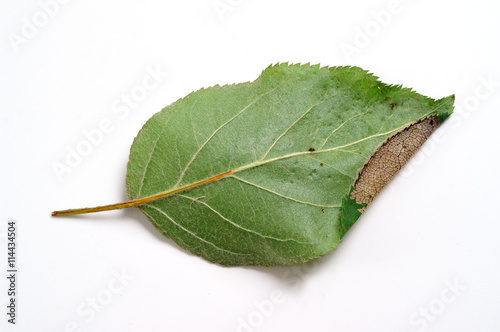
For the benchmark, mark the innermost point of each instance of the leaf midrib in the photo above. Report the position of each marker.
(257, 163)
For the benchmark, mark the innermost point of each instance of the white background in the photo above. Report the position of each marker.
(427, 243)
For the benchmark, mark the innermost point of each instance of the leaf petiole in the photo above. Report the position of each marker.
(140, 201)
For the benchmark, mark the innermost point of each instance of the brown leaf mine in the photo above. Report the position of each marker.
(390, 158)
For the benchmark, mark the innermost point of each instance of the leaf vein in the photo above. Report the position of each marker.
(281, 195)
(150, 157)
(332, 167)
(290, 127)
(191, 233)
(343, 123)
(181, 177)
(239, 226)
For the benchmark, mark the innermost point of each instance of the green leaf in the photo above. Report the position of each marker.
(279, 157)
(274, 171)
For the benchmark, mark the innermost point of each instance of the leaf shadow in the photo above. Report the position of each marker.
(294, 277)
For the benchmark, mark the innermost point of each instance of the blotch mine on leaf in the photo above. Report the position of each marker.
(390, 158)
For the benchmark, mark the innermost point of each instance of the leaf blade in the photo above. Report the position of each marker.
(272, 135)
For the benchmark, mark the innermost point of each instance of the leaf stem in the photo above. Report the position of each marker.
(140, 201)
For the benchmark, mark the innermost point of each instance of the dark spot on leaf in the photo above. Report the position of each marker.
(321, 164)
(431, 122)
(322, 210)
(392, 105)
(312, 149)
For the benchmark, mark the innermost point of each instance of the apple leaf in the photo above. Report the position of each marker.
(274, 171)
